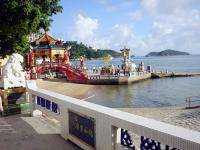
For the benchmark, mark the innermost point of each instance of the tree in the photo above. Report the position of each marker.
(79, 49)
(20, 18)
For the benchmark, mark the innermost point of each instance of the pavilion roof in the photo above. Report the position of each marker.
(49, 47)
(46, 39)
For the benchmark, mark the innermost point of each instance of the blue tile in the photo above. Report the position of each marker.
(54, 107)
(43, 104)
(48, 104)
(38, 100)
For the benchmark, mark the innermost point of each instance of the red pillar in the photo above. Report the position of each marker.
(27, 61)
(50, 55)
(30, 60)
(43, 58)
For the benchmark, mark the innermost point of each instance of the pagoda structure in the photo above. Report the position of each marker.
(48, 49)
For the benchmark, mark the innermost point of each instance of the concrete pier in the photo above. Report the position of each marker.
(161, 74)
(125, 80)
(114, 80)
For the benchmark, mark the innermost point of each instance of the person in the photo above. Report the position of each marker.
(82, 62)
(118, 70)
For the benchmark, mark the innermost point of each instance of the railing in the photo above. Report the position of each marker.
(95, 77)
(92, 126)
(45, 65)
(135, 74)
(192, 101)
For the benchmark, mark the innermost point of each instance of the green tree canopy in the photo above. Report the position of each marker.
(79, 49)
(20, 18)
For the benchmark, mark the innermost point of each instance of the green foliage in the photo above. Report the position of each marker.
(20, 18)
(113, 53)
(78, 50)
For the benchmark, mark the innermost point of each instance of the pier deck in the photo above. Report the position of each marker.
(114, 80)
(171, 74)
(125, 80)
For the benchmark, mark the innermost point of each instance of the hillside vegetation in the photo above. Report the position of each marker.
(167, 52)
(79, 49)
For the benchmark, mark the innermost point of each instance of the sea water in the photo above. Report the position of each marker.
(154, 92)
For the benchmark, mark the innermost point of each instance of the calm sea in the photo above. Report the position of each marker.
(153, 92)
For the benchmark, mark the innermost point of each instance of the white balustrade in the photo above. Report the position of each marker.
(103, 122)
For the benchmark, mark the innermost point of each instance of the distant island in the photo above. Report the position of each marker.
(167, 52)
(80, 49)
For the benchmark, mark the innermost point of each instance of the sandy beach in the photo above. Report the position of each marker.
(79, 91)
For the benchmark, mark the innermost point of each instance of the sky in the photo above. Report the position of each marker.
(141, 25)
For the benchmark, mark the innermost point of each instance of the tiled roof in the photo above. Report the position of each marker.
(45, 38)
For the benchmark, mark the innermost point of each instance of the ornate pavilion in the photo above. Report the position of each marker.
(48, 49)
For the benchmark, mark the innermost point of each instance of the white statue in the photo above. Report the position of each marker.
(12, 73)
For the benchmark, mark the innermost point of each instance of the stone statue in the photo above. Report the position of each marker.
(12, 73)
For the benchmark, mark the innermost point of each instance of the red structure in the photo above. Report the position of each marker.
(54, 56)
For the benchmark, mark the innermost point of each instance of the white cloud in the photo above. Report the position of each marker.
(155, 7)
(176, 24)
(136, 15)
(84, 29)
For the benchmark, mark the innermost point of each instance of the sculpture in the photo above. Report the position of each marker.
(12, 73)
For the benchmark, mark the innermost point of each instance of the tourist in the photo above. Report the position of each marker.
(118, 70)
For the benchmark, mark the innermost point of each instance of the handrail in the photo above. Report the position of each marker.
(108, 119)
(189, 102)
(54, 64)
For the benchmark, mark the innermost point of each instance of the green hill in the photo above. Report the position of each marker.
(112, 53)
(167, 52)
(79, 49)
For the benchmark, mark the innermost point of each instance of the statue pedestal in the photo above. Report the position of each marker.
(13, 91)
(12, 100)
(8, 83)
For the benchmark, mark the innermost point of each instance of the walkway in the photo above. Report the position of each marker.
(22, 132)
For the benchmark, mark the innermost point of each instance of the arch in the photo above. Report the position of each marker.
(59, 73)
(71, 72)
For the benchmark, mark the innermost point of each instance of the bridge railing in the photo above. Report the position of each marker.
(53, 64)
(92, 126)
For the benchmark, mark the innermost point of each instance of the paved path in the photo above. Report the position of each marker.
(17, 134)
(179, 116)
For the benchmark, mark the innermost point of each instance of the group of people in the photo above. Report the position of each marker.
(117, 70)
